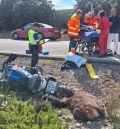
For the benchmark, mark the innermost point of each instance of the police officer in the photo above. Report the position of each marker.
(35, 40)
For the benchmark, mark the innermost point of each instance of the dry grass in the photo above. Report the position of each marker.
(46, 62)
(112, 101)
(111, 96)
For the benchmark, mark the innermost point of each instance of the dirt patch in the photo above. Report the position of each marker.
(79, 80)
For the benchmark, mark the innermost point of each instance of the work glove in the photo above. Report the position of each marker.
(42, 42)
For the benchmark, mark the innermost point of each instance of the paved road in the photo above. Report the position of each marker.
(20, 46)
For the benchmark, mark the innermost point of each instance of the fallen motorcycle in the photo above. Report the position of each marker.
(31, 78)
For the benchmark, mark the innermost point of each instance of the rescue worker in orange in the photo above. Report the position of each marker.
(87, 19)
(91, 19)
(73, 30)
(94, 21)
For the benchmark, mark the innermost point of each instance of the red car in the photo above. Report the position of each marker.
(47, 31)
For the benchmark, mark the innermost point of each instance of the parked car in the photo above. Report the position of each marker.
(47, 31)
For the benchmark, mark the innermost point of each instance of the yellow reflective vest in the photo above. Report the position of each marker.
(32, 41)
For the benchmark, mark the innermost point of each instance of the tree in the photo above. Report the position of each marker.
(85, 5)
(118, 6)
(61, 18)
(16, 13)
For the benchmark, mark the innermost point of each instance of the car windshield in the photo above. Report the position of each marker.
(45, 25)
(28, 26)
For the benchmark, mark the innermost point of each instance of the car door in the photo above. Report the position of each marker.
(42, 30)
(24, 31)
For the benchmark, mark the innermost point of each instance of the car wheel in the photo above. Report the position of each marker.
(15, 36)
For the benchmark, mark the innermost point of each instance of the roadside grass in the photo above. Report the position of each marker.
(47, 62)
(112, 101)
(18, 114)
(116, 123)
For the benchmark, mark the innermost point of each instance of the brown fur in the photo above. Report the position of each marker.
(85, 106)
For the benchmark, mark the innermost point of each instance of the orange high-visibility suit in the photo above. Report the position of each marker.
(73, 31)
(94, 22)
(87, 20)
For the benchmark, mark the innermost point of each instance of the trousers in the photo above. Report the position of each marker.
(113, 37)
(35, 53)
(72, 45)
(103, 42)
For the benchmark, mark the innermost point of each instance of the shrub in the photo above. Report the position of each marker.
(21, 115)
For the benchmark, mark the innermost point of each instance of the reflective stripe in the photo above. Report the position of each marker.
(72, 48)
(72, 28)
(37, 40)
(77, 26)
(73, 33)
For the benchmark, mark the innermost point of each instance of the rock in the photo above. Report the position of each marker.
(76, 89)
(71, 127)
(59, 113)
(89, 123)
(78, 125)
(106, 123)
(2, 95)
(68, 118)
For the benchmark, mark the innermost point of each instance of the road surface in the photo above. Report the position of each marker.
(20, 46)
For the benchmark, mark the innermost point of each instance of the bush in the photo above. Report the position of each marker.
(21, 115)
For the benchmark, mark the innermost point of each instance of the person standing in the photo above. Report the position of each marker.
(34, 41)
(73, 30)
(104, 26)
(114, 30)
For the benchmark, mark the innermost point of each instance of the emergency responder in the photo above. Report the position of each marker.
(35, 39)
(104, 26)
(73, 30)
(94, 21)
(87, 19)
(91, 19)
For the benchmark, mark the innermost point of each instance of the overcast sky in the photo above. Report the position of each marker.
(63, 4)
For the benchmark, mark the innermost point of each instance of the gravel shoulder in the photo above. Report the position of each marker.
(79, 80)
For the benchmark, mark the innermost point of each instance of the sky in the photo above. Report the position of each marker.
(63, 4)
